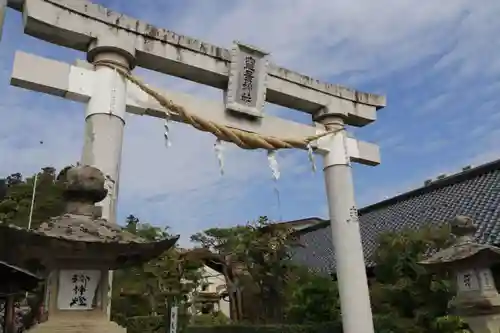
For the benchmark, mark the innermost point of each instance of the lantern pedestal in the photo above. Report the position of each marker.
(484, 324)
(476, 293)
(77, 302)
(78, 323)
(477, 301)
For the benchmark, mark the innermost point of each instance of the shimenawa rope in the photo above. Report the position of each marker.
(243, 139)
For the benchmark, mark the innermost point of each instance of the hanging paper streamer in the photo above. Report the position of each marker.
(273, 164)
(218, 152)
(109, 185)
(166, 125)
(310, 154)
(278, 198)
(346, 150)
(166, 135)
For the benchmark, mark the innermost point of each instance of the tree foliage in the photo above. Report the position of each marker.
(255, 260)
(145, 290)
(404, 294)
(15, 204)
(312, 298)
(210, 319)
(405, 297)
(17, 194)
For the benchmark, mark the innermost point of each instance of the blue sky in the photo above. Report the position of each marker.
(438, 63)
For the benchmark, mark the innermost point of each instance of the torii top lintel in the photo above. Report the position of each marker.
(76, 23)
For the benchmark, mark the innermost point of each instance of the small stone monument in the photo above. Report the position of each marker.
(477, 300)
(77, 251)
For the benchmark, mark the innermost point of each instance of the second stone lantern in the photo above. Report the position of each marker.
(477, 300)
(77, 251)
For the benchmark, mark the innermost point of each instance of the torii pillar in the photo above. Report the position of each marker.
(350, 264)
(105, 113)
(105, 119)
(3, 8)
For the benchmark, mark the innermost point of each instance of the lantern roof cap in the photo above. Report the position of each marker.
(465, 247)
(82, 227)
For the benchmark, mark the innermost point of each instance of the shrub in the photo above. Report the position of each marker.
(146, 324)
(212, 319)
(149, 324)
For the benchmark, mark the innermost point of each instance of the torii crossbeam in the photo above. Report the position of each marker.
(248, 79)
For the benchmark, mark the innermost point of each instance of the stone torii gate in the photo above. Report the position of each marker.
(248, 80)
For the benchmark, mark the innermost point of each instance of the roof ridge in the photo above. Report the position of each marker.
(436, 184)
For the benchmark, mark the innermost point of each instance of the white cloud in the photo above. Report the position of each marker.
(360, 42)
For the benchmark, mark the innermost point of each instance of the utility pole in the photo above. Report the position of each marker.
(33, 196)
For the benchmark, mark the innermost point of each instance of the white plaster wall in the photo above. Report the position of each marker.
(216, 283)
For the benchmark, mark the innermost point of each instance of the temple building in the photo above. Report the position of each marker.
(474, 192)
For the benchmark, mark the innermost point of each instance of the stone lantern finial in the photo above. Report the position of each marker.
(83, 188)
(463, 227)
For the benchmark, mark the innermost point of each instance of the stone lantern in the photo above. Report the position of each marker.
(477, 300)
(77, 250)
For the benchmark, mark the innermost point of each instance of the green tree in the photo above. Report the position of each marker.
(218, 246)
(143, 290)
(16, 202)
(312, 298)
(406, 297)
(255, 260)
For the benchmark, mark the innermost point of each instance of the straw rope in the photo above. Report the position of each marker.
(243, 139)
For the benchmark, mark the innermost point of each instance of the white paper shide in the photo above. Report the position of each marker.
(77, 289)
(173, 319)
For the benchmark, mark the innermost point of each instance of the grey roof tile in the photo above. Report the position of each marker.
(474, 193)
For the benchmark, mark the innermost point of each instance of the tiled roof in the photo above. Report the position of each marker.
(474, 193)
(16, 279)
